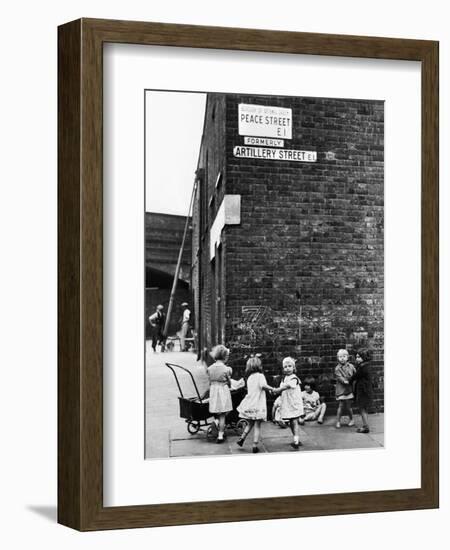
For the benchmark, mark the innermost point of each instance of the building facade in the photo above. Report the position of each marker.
(163, 238)
(288, 232)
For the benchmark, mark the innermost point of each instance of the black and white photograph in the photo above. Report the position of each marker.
(264, 274)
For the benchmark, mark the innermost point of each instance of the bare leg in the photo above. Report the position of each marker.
(350, 413)
(295, 429)
(339, 414)
(322, 409)
(256, 432)
(221, 426)
(365, 418)
(309, 416)
(295, 432)
(292, 425)
(247, 430)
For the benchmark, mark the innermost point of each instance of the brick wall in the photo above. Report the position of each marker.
(211, 175)
(303, 272)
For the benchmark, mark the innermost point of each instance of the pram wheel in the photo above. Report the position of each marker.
(211, 432)
(193, 427)
(241, 425)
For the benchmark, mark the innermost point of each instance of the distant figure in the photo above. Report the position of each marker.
(185, 325)
(157, 321)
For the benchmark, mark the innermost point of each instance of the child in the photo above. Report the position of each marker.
(344, 394)
(314, 409)
(219, 391)
(253, 408)
(291, 403)
(363, 387)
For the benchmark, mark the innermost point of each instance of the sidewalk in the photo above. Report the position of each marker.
(162, 420)
(314, 437)
(167, 435)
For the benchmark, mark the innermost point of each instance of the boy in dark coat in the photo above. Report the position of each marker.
(363, 387)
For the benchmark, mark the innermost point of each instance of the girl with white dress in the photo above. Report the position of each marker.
(291, 402)
(253, 408)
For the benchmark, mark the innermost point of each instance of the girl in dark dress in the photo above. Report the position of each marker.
(363, 388)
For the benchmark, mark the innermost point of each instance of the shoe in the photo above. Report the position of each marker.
(296, 445)
(255, 450)
(222, 440)
(364, 430)
(320, 422)
(338, 425)
(240, 442)
(351, 423)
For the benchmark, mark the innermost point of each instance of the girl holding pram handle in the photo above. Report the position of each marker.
(219, 392)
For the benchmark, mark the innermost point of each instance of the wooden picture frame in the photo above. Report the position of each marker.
(80, 271)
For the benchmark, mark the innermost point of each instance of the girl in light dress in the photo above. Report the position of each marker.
(291, 402)
(219, 391)
(253, 408)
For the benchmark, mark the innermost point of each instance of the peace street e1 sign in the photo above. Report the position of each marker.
(264, 122)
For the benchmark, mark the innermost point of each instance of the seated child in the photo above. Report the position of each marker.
(314, 408)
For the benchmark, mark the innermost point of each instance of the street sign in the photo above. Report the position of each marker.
(265, 153)
(265, 121)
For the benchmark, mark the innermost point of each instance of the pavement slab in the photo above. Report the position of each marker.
(379, 438)
(159, 445)
(342, 439)
(199, 447)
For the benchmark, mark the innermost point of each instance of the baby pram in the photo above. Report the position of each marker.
(195, 410)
